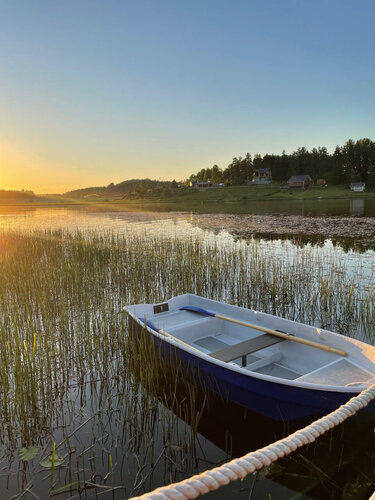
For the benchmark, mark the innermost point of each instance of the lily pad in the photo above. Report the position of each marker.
(27, 454)
(47, 462)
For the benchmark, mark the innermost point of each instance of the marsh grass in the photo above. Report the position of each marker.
(71, 372)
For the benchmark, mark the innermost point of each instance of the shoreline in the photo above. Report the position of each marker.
(230, 194)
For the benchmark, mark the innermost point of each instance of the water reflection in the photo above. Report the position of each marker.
(324, 469)
(188, 224)
(350, 234)
(309, 208)
(357, 207)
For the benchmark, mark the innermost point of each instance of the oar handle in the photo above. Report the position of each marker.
(283, 335)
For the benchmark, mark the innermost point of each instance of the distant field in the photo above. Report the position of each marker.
(238, 193)
(184, 196)
(274, 191)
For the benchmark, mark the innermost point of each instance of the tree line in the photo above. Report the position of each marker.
(10, 196)
(352, 162)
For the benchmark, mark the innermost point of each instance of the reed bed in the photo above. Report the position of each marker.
(103, 410)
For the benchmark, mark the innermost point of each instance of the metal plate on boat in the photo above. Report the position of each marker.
(160, 308)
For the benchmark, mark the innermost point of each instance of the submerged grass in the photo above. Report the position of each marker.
(71, 374)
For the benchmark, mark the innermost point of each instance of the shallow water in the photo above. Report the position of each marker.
(181, 224)
(341, 462)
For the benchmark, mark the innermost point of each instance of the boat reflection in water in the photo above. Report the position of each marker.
(339, 465)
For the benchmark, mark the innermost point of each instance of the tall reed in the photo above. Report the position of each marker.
(71, 374)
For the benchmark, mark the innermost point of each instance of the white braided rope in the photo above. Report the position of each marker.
(239, 468)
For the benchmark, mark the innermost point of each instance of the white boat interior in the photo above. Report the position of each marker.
(250, 350)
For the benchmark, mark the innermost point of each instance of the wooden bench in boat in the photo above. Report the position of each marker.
(242, 349)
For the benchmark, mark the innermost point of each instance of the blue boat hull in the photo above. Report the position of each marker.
(280, 402)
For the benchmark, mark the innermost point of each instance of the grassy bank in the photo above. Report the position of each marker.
(185, 196)
(274, 192)
(258, 193)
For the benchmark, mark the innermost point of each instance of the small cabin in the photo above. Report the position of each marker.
(300, 181)
(321, 182)
(262, 176)
(201, 184)
(358, 187)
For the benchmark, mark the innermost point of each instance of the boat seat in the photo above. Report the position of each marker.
(242, 349)
(338, 372)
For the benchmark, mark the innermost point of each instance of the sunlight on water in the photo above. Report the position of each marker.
(181, 224)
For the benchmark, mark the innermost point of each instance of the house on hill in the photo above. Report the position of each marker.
(359, 187)
(300, 181)
(201, 184)
(262, 176)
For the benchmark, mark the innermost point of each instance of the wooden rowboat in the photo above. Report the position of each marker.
(276, 367)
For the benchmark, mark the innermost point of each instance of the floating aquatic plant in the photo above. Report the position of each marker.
(27, 454)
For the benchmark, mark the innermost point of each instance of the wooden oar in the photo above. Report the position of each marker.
(285, 336)
(151, 325)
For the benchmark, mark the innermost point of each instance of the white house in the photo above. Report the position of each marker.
(359, 187)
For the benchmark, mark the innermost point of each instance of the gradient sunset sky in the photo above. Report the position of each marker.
(94, 92)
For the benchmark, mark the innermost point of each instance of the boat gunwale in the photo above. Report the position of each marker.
(355, 389)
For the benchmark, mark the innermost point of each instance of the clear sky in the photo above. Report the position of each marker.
(93, 92)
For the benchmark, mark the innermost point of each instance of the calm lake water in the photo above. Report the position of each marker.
(358, 207)
(340, 466)
(88, 219)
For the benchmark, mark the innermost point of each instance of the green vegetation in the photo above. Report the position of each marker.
(16, 196)
(184, 197)
(205, 200)
(69, 367)
(354, 161)
(136, 187)
(76, 389)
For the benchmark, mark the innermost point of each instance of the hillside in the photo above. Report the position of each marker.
(139, 186)
(274, 191)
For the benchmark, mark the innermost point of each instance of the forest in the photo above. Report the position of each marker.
(352, 162)
(12, 196)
